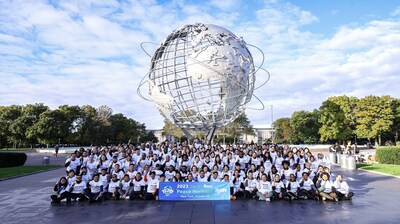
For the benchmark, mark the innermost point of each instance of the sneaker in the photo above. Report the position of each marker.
(127, 198)
(268, 200)
(323, 198)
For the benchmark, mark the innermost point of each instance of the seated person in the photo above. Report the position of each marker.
(307, 188)
(278, 187)
(77, 189)
(325, 188)
(292, 188)
(61, 190)
(113, 188)
(264, 187)
(342, 188)
(95, 193)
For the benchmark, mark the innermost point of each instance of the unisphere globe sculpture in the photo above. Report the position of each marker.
(201, 77)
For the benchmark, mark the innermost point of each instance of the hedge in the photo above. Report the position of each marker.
(10, 159)
(388, 155)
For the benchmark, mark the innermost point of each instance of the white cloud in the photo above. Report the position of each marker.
(88, 52)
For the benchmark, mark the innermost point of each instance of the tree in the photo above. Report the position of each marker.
(149, 137)
(241, 125)
(52, 126)
(283, 130)
(337, 118)
(8, 116)
(375, 117)
(305, 127)
(171, 129)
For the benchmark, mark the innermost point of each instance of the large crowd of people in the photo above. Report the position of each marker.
(263, 172)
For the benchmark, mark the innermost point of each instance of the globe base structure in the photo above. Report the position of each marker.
(201, 78)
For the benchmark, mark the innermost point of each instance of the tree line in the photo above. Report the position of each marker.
(342, 118)
(32, 124)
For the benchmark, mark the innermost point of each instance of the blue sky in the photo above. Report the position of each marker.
(88, 52)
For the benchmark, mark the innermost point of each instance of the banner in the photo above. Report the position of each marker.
(186, 191)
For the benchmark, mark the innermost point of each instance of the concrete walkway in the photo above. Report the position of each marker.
(26, 200)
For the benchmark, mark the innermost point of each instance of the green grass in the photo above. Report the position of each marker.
(20, 170)
(381, 168)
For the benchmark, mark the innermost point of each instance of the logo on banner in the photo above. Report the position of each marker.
(167, 190)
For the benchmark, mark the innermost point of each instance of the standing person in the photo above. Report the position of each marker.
(342, 188)
(72, 163)
(61, 190)
(56, 148)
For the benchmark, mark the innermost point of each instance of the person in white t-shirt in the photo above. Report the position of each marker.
(307, 188)
(151, 187)
(113, 187)
(342, 188)
(77, 189)
(96, 190)
(264, 187)
(325, 188)
(250, 184)
(278, 188)
(292, 188)
(138, 187)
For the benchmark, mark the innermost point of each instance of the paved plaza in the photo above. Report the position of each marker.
(26, 200)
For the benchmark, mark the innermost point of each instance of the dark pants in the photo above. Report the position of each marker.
(290, 195)
(109, 196)
(135, 195)
(79, 196)
(309, 194)
(58, 197)
(94, 196)
(341, 196)
(149, 196)
(248, 194)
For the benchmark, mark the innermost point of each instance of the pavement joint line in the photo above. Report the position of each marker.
(23, 175)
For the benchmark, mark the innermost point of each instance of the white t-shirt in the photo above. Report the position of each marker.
(152, 185)
(112, 186)
(79, 188)
(264, 186)
(95, 187)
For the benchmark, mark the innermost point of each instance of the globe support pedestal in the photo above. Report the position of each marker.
(210, 134)
(188, 135)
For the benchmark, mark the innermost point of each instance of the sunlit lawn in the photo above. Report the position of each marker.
(20, 170)
(382, 168)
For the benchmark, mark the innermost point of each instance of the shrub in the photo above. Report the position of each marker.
(10, 159)
(388, 155)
